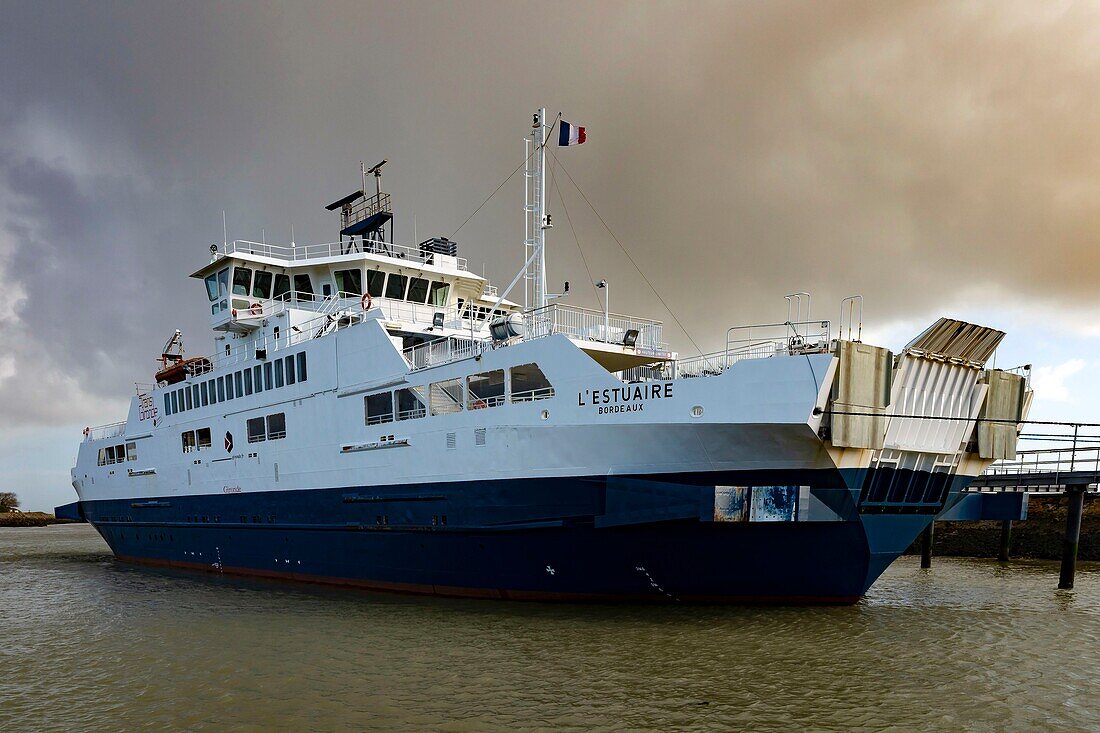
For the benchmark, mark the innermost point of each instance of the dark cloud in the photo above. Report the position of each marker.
(921, 154)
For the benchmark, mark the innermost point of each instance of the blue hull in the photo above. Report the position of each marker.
(548, 539)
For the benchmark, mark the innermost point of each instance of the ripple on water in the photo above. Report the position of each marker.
(96, 645)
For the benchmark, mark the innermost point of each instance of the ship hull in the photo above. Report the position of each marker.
(555, 544)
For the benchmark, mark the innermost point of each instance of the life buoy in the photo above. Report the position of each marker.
(256, 309)
(365, 301)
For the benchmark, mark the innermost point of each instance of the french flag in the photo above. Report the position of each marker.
(570, 134)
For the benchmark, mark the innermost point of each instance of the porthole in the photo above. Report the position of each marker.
(545, 415)
(697, 411)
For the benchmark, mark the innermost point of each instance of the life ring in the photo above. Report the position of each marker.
(256, 309)
(365, 301)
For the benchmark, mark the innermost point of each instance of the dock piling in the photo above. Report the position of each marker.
(926, 545)
(1075, 504)
(1006, 539)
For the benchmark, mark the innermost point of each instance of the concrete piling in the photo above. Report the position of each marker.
(926, 545)
(1006, 539)
(1075, 504)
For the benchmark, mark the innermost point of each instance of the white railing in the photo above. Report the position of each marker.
(586, 324)
(297, 252)
(103, 432)
(443, 351)
(757, 342)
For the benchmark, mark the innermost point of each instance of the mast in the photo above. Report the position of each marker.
(537, 220)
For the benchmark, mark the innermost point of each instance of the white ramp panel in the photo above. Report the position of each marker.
(931, 389)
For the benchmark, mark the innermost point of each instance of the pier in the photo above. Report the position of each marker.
(1001, 493)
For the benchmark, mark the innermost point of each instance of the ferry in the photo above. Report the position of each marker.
(377, 415)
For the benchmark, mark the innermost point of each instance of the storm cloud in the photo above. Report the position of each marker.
(929, 156)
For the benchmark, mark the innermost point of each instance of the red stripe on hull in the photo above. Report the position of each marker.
(447, 591)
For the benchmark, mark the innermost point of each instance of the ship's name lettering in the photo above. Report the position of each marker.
(146, 408)
(231, 489)
(631, 396)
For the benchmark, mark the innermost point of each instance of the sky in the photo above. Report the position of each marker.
(937, 158)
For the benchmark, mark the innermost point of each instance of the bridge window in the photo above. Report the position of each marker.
(349, 282)
(175, 403)
(485, 390)
(204, 394)
(410, 403)
(282, 287)
(187, 394)
(229, 387)
(258, 378)
(212, 388)
(257, 431)
(195, 395)
(221, 389)
(418, 290)
(446, 397)
(276, 426)
(395, 287)
(438, 294)
(261, 284)
(289, 369)
(237, 380)
(269, 382)
(242, 279)
(304, 287)
(378, 408)
(302, 366)
(278, 372)
(211, 287)
(376, 281)
(223, 289)
(248, 381)
(529, 383)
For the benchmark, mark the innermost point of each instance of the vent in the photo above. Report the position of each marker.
(479, 436)
(450, 441)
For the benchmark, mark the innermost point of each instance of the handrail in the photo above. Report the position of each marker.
(295, 252)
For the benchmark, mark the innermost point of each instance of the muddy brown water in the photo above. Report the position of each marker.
(87, 643)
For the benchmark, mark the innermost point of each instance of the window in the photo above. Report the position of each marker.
(120, 453)
(188, 441)
(221, 389)
(278, 372)
(529, 383)
(131, 451)
(202, 436)
(418, 290)
(349, 282)
(167, 404)
(379, 408)
(438, 294)
(237, 383)
(242, 279)
(304, 287)
(485, 390)
(410, 403)
(446, 397)
(205, 394)
(211, 287)
(302, 367)
(195, 395)
(376, 281)
(258, 378)
(395, 287)
(269, 382)
(187, 394)
(289, 369)
(175, 402)
(247, 381)
(276, 426)
(223, 289)
(228, 386)
(102, 457)
(282, 287)
(261, 285)
(257, 431)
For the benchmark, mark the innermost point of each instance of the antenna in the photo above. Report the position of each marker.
(292, 235)
(377, 171)
(225, 236)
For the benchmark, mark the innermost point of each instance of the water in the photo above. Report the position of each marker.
(90, 644)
